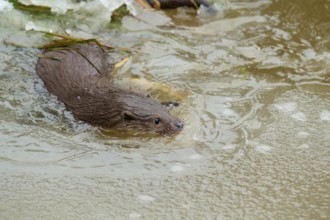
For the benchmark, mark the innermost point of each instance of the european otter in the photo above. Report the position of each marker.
(77, 75)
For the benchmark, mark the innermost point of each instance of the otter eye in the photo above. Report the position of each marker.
(157, 121)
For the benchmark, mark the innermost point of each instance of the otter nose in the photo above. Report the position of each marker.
(178, 124)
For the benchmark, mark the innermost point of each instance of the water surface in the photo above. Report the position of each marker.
(254, 83)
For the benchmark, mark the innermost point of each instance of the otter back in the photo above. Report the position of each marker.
(64, 70)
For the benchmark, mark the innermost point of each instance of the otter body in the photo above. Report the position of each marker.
(78, 77)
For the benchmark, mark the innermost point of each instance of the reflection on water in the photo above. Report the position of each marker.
(253, 81)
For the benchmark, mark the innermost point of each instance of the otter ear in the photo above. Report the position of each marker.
(127, 115)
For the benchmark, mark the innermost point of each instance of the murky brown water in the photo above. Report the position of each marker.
(254, 82)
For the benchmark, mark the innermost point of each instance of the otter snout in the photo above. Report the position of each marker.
(178, 124)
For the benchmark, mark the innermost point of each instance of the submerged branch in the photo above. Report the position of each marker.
(31, 8)
(67, 41)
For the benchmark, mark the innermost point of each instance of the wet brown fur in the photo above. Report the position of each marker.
(78, 76)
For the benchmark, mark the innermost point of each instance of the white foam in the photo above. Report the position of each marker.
(229, 147)
(304, 146)
(309, 53)
(228, 112)
(177, 168)
(286, 107)
(325, 115)
(300, 116)
(134, 215)
(302, 134)
(195, 156)
(146, 198)
(262, 148)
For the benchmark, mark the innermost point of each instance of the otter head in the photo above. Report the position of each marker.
(143, 114)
